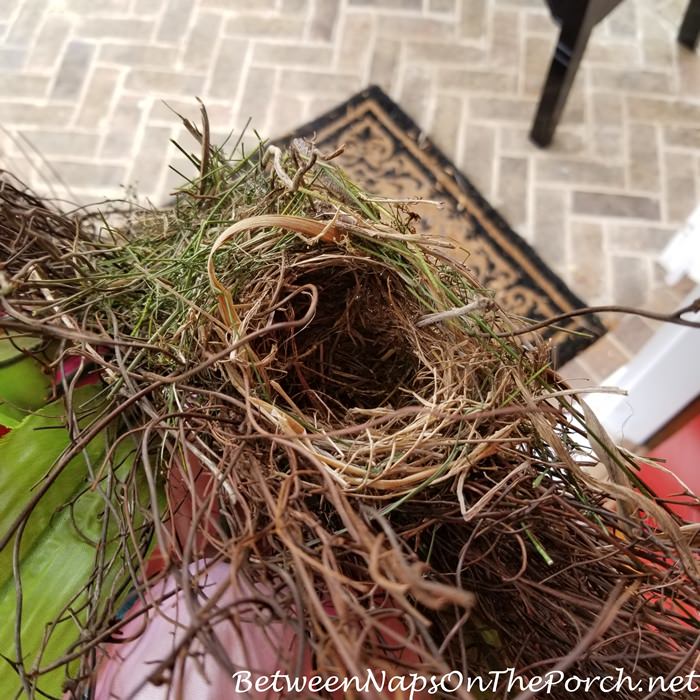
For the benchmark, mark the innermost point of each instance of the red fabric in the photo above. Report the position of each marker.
(68, 368)
(681, 453)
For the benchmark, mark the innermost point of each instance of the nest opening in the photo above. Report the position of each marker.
(354, 352)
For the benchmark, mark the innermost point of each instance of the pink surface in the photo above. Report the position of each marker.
(262, 649)
(248, 646)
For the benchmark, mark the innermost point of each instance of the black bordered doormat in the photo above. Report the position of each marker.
(386, 154)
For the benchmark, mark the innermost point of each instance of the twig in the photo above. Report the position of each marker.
(276, 154)
(674, 317)
(430, 319)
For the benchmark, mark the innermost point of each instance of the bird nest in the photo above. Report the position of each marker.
(326, 402)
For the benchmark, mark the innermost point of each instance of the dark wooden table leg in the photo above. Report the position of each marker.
(576, 29)
(577, 20)
(690, 29)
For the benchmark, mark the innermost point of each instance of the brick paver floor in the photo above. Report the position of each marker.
(82, 82)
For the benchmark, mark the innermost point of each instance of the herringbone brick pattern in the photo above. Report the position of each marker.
(82, 82)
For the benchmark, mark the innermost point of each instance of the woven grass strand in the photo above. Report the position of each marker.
(298, 224)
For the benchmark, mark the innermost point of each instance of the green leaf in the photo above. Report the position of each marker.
(7, 420)
(57, 576)
(13, 346)
(24, 385)
(27, 454)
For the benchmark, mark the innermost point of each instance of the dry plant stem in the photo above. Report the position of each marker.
(605, 618)
(674, 317)
(429, 319)
(206, 149)
(307, 227)
(276, 154)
